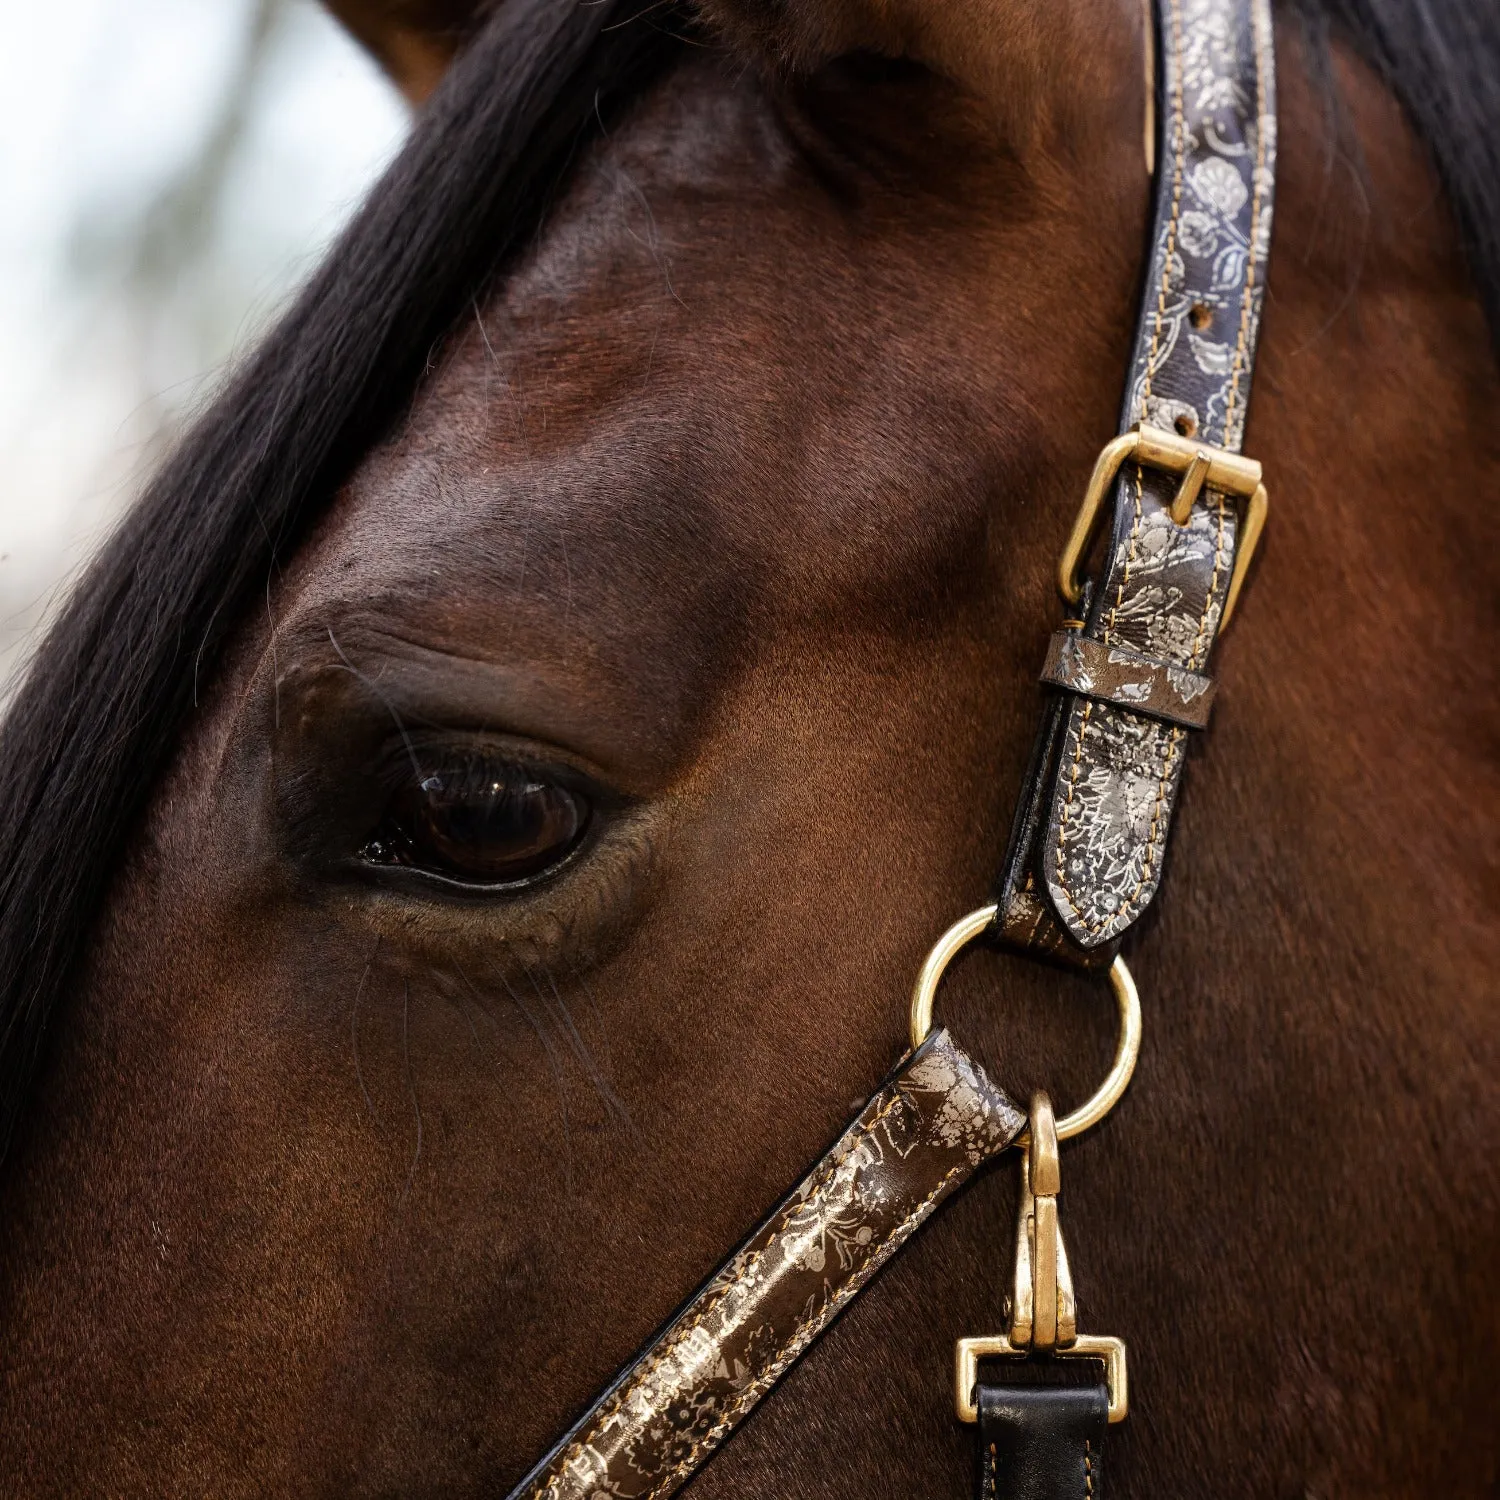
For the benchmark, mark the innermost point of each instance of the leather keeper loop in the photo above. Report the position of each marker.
(1113, 674)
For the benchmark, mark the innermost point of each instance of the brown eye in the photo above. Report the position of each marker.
(480, 823)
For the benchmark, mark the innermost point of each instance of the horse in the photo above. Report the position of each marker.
(468, 837)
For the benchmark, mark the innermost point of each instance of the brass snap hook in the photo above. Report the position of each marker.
(1043, 1311)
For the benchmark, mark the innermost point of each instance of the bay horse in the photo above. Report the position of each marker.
(469, 835)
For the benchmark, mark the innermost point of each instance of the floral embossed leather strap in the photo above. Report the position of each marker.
(936, 1120)
(1112, 674)
(1086, 852)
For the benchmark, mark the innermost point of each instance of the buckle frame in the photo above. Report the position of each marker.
(1196, 464)
(968, 1352)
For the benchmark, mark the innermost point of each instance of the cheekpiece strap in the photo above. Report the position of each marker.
(1086, 850)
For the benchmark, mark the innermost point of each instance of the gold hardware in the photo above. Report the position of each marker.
(1044, 1318)
(1127, 998)
(1191, 486)
(969, 1352)
(1043, 1315)
(1250, 530)
(1198, 464)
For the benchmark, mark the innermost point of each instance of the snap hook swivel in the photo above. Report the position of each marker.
(1043, 1311)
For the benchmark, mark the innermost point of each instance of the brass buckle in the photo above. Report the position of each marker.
(1197, 464)
(1043, 1312)
(969, 1352)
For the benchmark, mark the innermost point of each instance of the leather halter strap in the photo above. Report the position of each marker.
(928, 1129)
(1086, 851)
(1041, 1442)
(1129, 686)
(1090, 835)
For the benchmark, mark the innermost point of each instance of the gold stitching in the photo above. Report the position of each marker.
(1213, 585)
(807, 1331)
(677, 1336)
(1179, 134)
(1062, 822)
(803, 1333)
(1255, 202)
(1179, 137)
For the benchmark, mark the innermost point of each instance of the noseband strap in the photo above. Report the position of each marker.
(932, 1125)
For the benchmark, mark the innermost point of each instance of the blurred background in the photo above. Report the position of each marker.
(170, 171)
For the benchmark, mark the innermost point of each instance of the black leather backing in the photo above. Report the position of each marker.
(1041, 1442)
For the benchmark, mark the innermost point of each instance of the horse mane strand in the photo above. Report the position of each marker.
(1441, 59)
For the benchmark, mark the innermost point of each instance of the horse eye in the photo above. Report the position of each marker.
(480, 823)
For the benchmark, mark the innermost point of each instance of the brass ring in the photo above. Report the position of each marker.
(963, 932)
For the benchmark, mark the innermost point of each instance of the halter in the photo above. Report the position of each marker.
(1127, 688)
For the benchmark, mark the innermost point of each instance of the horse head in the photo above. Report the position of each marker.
(510, 868)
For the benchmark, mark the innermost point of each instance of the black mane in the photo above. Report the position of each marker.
(1441, 58)
(110, 688)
